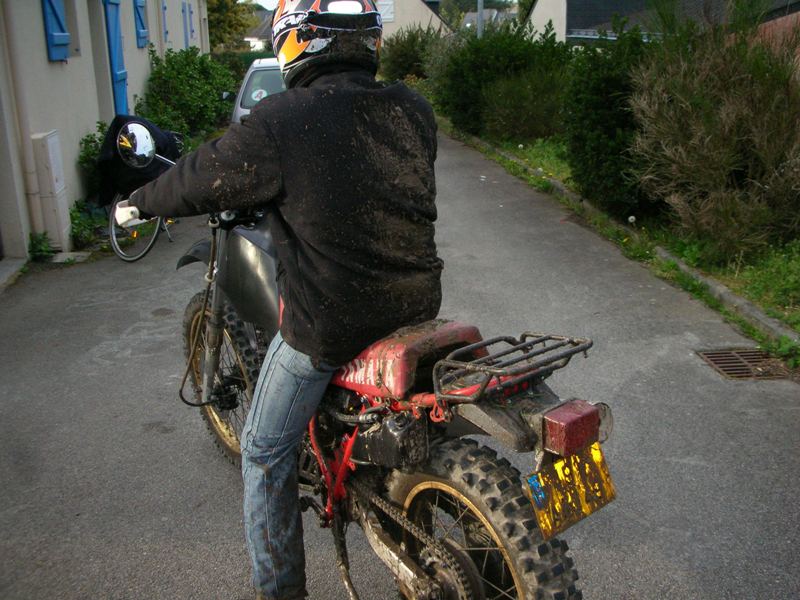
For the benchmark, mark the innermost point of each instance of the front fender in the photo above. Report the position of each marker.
(199, 252)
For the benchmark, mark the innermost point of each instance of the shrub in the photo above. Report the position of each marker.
(437, 58)
(475, 64)
(87, 221)
(184, 92)
(404, 52)
(87, 158)
(39, 247)
(527, 106)
(421, 86)
(599, 123)
(715, 140)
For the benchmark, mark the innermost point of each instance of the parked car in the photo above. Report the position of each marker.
(262, 79)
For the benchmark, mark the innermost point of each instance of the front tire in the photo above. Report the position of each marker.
(236, 378)
(467, 497)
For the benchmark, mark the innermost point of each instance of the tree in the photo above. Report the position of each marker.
(229, 20)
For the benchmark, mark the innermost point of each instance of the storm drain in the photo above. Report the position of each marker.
(745, 364)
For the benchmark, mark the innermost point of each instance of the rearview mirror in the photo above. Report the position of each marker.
(135, 145)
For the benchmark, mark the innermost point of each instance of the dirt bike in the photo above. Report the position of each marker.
(387, 449)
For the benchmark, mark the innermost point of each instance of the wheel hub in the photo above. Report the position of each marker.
(455, 586)
(226, 395)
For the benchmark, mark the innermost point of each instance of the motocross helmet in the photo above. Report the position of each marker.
(311, 36)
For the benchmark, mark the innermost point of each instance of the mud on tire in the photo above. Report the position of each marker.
(488, 485)
(240, 363)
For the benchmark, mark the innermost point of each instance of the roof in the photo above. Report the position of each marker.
(263, 63)
(637, 12)
(262, 31)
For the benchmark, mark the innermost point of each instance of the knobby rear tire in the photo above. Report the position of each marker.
(242, 368)
(478, 480)
(120, 236)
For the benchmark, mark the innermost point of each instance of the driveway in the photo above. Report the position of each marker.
(113, 489)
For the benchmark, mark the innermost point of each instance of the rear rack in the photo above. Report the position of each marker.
(532, 356)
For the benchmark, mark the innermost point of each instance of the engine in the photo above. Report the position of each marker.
(385, 439)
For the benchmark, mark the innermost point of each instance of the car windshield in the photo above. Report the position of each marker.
(261, 84)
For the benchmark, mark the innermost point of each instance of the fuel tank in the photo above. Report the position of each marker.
(248, 275)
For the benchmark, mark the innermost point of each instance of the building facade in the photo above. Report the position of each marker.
(399, 14)
(64, 65)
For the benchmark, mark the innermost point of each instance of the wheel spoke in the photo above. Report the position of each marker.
(456, 522)
(502, 593)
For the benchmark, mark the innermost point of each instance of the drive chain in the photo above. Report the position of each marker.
(394, 513)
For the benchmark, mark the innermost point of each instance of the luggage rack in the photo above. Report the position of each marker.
(532, 356)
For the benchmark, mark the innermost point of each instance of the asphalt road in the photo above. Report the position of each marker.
(112, 489)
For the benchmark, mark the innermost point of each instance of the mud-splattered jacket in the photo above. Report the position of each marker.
(344, 168)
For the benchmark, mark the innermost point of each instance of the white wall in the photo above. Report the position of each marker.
(14, 220)
(39, 95)
(398, 14)
(550, 10)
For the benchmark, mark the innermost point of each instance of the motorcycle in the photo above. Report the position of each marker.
(387, 449)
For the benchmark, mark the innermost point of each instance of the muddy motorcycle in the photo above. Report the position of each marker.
(387, 449)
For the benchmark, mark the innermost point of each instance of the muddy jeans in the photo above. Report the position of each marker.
(287, 394)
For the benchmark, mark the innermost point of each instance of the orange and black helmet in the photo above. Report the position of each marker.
(307, 34)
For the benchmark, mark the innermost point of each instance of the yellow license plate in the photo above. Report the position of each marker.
(570, 489)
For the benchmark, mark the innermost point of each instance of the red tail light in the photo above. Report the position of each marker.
(570, 427)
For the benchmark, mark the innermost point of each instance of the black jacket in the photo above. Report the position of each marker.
(344, 168)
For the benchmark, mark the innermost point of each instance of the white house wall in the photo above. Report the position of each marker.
(399, 14)
(14, 221)
(69, 96)
(550, 10)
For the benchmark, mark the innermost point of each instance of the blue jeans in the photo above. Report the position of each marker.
(288, 392)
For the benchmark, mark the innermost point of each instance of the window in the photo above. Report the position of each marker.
(56, 30)
(262, 83)
(386, 8)
(140, 20)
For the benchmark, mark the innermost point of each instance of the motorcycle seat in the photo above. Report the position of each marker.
(397, 364)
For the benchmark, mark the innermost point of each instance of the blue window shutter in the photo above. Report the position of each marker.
(185, 25)
(55, 30)
(140, 17)
(191, 19)
(164, 20)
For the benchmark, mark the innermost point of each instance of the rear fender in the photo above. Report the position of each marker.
(516, 423)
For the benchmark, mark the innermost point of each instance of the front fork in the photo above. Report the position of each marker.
(214, 325)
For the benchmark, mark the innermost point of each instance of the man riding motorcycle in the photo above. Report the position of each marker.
(343, 167)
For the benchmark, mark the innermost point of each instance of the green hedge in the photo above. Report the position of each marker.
(184, 92)
(403, 53)
(718, 139)
(599, 123)
(472, 65)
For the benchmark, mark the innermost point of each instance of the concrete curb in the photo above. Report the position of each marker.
(744, 308)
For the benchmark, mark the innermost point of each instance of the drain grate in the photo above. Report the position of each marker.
(745, 363)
